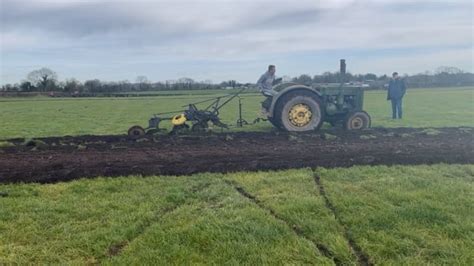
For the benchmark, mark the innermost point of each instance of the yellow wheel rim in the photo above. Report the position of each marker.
(178, 120)
(357, 123)
(300, 115)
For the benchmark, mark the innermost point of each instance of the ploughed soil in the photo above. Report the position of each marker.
(59, 159)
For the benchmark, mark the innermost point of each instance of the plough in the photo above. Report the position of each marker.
(192, 118)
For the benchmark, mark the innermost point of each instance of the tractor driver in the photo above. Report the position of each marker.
(265, 83)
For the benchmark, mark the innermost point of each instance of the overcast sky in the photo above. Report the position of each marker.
(223, 39)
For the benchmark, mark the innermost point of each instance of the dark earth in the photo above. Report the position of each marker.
(56, 159)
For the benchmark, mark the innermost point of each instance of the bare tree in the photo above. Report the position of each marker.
(125, 85)
(185, 83)
(304, 79)
(448, 70)
(43, 78)
(72, 85)
(142, 82)
(142, 79)
(93, 85)
(26, 86)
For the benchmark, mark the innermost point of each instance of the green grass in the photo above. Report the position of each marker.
(41, 117)
(407, 215)
(188, 92)
(425, 108)
(396, 215)
(178, 220)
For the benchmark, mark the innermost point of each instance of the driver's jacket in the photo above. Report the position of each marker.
(265, 83)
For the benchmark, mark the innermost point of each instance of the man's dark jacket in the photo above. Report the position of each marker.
(396, 89)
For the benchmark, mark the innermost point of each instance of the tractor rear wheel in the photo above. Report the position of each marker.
(357, 121)
(299, 111)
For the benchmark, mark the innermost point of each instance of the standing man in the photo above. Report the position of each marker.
(265, 84)
(396, 91)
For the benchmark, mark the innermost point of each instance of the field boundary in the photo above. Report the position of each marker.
(362, 257)
(325, 251)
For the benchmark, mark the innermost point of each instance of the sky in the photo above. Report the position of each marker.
(231, 40)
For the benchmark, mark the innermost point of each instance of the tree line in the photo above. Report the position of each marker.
(442, 77)
(46, 80)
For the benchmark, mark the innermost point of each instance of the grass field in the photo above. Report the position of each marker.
(41, 117)
(389, 215)
(384, 215)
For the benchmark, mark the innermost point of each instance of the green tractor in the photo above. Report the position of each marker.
(298, 107)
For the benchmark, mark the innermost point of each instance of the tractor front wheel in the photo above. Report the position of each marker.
(357, 121)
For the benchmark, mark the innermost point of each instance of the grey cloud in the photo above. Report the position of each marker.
(75, 20)
(222, 26)
(290, 19)
(152, 18)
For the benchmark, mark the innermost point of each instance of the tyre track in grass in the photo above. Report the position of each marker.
(362, 257)
(116, 248)
(324, 250)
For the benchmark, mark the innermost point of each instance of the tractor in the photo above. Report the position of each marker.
(299, 108)
(296, 107)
